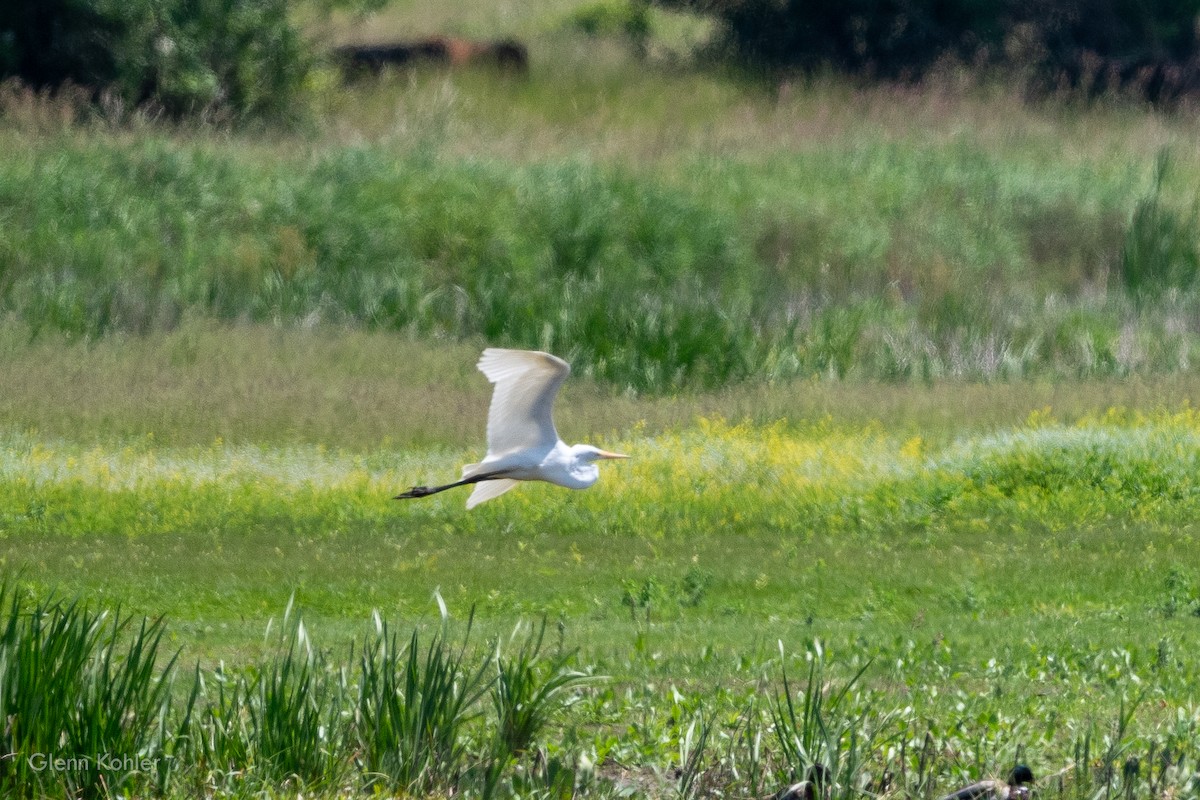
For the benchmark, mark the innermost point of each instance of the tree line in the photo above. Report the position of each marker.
(1145, 47)
(247, 58)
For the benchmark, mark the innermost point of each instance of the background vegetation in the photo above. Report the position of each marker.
(1147, 50)
(855, 257)
(884, 252)
(907, 370)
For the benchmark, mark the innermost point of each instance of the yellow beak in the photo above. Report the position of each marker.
(606, 454)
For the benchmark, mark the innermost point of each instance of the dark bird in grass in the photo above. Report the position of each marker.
(523, 444)
(814, 786)
(1015, 787)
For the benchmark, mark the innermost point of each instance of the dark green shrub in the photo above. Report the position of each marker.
(50, 42)
(1149, 47)
(228, 58)
(893, 39)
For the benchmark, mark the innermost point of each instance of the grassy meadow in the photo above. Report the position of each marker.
(906, 372)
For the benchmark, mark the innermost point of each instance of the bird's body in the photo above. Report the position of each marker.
(523, 444)
(1015, 787)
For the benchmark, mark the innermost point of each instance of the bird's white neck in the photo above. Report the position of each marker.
(581, 465)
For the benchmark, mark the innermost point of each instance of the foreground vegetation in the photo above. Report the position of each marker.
(1011, 586)
(90, 714)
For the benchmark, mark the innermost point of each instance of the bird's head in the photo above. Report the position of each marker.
(589, 455)
(581, 464)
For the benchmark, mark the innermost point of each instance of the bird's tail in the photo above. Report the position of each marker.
(486, 490)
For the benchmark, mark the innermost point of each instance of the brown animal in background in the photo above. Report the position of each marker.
(506, 55)
(373, 58)
(461, 51)
(510, 56)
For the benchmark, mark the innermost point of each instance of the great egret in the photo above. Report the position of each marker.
(522, 442)
(813, 787)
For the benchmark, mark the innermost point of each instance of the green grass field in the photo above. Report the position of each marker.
(906, 372)
(1013, 561)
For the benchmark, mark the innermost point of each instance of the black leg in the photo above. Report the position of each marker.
(425, 491)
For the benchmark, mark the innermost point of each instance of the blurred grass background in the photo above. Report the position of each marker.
(663, 225)
(899, 280)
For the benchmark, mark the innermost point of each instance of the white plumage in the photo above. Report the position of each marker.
(523, 444)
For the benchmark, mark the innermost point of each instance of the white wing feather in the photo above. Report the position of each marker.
(521, 413)
(486, 490)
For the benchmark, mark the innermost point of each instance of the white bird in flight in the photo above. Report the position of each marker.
(523, 444)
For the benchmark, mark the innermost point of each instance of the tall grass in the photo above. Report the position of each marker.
(413, 706)
(414, 718)
(850, 260)
(822, 741)
(89, 711)
(525, 688)
(292, 706)
(82, 695)
(1162, 248)
(281, 722)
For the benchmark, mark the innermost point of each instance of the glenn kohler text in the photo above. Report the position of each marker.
(105, 762)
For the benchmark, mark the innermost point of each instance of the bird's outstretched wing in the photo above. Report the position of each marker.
(521, 414)
(486, 490)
